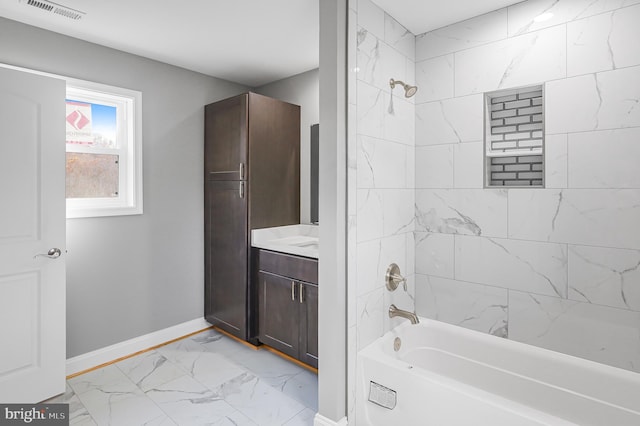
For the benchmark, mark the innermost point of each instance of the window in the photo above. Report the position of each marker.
(514, 137)
(104, 150)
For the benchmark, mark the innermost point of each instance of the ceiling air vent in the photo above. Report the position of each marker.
(51, 7)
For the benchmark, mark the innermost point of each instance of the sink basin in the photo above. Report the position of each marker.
(308, 244)
(298, 240)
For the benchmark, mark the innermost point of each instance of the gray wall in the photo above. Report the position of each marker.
(132, 275)
(301, 89)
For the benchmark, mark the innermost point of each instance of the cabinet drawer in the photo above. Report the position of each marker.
(295, 267)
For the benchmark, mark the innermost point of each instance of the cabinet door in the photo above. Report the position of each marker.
(309, 325)
(279, 311)
(226, 256)
(274, 156)
(225, 139)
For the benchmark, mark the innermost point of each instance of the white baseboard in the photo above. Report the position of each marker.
(110, 353)
(320, 420)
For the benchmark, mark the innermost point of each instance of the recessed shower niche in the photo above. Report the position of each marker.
(514, 137)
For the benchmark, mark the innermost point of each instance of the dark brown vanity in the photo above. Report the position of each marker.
(288, 304)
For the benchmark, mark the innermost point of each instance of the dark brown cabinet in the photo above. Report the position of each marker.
(278, 312)
(308, 352)
(252, 181)
(288, 304)
(227, 262)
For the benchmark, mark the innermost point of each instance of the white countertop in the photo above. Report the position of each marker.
(301, 240)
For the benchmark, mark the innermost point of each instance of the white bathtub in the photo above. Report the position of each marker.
(445, 375)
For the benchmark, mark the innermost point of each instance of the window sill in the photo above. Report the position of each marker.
(79, 213)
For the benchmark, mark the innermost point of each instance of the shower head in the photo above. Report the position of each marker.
(409, 90)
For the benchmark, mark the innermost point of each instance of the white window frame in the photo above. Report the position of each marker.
(131, 204)
(129, 135)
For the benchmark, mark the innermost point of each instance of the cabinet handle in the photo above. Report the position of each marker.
(241, 190)
(301, 293)
(241, 171)
(293, 290)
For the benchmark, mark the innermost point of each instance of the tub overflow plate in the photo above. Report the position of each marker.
(382, 395)
(396, 344)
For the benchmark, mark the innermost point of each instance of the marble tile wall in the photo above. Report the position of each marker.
(557, 267)
(384, 165)
(380, 177)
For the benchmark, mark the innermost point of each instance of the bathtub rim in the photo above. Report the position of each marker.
(381, 350)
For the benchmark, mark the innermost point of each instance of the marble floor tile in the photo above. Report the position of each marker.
(210, 368)
(260, 402)
(207, 379)
(303, 418)
(150, 369)
(234, 419)
(161, 421)
(213, 370)
(78, 414)
(182, 353)
(102, 378)
(82, 421)
(119, 404)
(271, 368)
(208, 336)
(188, 402)
(303, 387)
(224, 346)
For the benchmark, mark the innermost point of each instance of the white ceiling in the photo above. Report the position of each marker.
(251, 42)
(420, 16)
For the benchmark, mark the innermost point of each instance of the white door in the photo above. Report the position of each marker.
(32, 221)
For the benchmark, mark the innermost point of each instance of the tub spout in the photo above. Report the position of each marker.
(395, 312)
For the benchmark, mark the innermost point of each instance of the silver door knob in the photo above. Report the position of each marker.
(53, 253)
